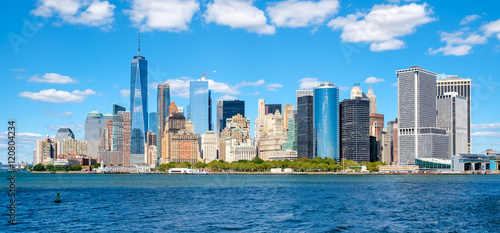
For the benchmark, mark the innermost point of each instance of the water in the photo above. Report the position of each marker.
(255, 203)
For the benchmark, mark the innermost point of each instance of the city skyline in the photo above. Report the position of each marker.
(46, 74)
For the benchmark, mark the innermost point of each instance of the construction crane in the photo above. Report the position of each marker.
(205, 74)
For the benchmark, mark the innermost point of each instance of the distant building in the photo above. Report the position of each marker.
(164, 109)
(209, 146)
(373, 149)
(93, 132)
(236, 133)
(373, 100)
(228, 108)
(108, 136)
(153, 125)
(291, 135)
(452, 116)
(386, 148)
(173, 109)
(64, 133)
(305, 126)
(200, 111)
(326, 121)
(273, 135)
(462, 86)
(178, 145)
(271, 108)
(418, 135)
(376, 126)
(46, 151)
(138, 107)
(287, 111)
(74, 147)
(355, 129)
(116, 129)
(122, 137)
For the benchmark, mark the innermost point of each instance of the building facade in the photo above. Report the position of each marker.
(138, 108)
(209, 146)
(287, 111)
(452, 116)
(163, 110)
(229, 109)
(305, 126)
(153, 122)
(355, 130)
(93, 132)
(326, 121)
(200, 106)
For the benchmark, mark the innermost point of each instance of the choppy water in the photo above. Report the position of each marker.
(262, 203)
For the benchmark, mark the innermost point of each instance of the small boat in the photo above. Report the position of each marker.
(58, 199)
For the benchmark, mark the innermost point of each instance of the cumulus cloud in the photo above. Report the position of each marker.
(486, 126)
(238, 14)
(373, 80)
(492, 28)
(273, 86)
(486, 134)
(458, 43)
(307, 83)
(125, 92)
(52, 78)
(90, 13)
(223, 88)
(469, 18)
(255, 84)
(22, 138)
(383, 25)
(166, 15)
(55, 96)
(227, 97)
(294, 13)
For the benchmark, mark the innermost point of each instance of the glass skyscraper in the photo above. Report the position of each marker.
(305, 126)
(200, 107)
(93, 133)
(355, 129)
(229, 109)
(326, 120)
(153, 125)
(138, 108)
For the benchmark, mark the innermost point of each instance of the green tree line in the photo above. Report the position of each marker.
(51, 167)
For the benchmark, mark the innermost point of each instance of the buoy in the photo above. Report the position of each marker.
(58, 199)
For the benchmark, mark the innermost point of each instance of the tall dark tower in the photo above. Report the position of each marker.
(138, 106)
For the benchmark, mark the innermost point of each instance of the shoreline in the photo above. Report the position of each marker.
(282, 173)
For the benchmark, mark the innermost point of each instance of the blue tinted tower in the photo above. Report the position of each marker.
(200, 106)
(138, 107)
(326, 121)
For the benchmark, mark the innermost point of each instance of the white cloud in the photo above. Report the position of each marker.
(74, 128)
(238, 14)
(22, 138)
(307, 83)
(255, 84)
(66, 114)
(383, 24)
(227, 97)
(52, 78)
(273, 86)
(167, 15)
(294, 13)
(458, 43)
(54, 96)
(373, 80)
(125, 92)
(180, 86)
(469, 18)
(90, 13)
(492, 28)
(394, 84)
(486, 134)
(486, 126)
(223, 88)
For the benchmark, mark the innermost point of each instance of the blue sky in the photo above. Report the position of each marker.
(65, 58)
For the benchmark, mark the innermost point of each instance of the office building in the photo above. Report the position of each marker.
(326, 121)
(259, 121)
(305, 126)
(46, 151)
(162, 112)
(122, 136)
(418, 135)
(452, 116)
(64, 133)
(271, 108)
(179, 145)
(373, 100)
(228, 109)
(153, 125)
(355, 129)
(116, 109)
(173, 109)
(291, 135)
(287, 111)
(150, 149)
(237, 132)
(273, 135)
(209, 146)
(462, 86)
(138, 108)
(93, 132)
(72, 147)
(385, 147)
(200, 107)
(108, 136)
(180, 110)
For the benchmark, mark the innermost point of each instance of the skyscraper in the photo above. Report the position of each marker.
(229, 109)
(209, 146)
(326, 120)
(116, 109)
(259, 122)
(200, 105)
(93, 132)
(122, 136)
(153, 119)
(418, 135)
(355, 130)
(271, 108)
(454, 83)
(64, 133)
(163, 111)
(305, 126)
(452, 116)
(373, 100)
(138, 107)
(287, 110)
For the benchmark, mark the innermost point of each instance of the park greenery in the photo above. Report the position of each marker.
(51, 167)
(258, 165)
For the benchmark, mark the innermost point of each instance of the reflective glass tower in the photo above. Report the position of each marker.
(229, 109)
(138, 107)
(326, 120)
(200, 107)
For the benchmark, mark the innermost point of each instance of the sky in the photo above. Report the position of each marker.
(65, 58)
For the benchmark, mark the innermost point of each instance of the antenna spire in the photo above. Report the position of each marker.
(139, 42)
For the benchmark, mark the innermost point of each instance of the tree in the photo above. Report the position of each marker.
(199, 165)
(257, 160)
(75, 168)
(39, 167)
(50, 167)
(61, 168)
(97, 165)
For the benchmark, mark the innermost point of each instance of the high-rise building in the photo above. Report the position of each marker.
(179, 145)
(229, 108)
(259, 121)
(64, 133)
(462, 86)
(108, 136)
(200, 105)
(153, 125)
(271, 108)
(386, 147)
(452, 116)
(149, 146)
(391, 128)
(163, 111)
(219, 117)
(93, 132)
(356, 92)
(273, 136)
(376, 126)
(287, 111)
(355, 129)
(105, 119)
(418, 135)
(291, 135)
(373, 100)
(173, 109)
(305, 126)
(373, 149)
(138, 107)
(122, 136)
(236, 133)
(209, 146)
(73, 147)
(395, 142)
(326, 120)
(300, 93)
(180, 110)
(46, 151)
(116, 109)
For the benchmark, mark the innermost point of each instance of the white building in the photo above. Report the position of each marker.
(209, 146)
